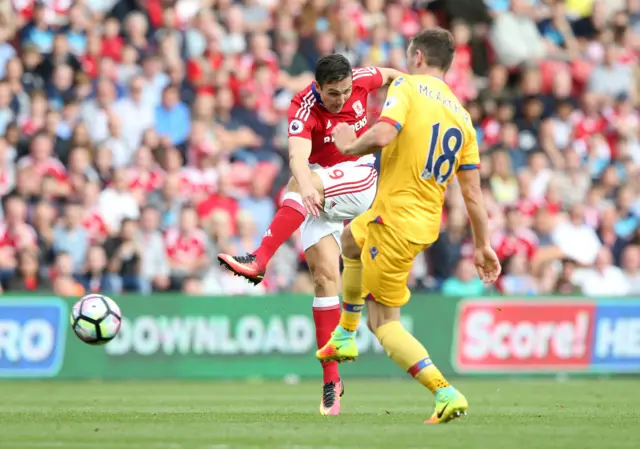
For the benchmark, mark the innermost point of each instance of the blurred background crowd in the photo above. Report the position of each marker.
(142, 137)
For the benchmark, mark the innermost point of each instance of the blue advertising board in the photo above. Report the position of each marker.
(32, 337)
(616, 342)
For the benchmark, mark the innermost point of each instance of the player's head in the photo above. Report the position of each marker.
(430, 51)
(334, 81)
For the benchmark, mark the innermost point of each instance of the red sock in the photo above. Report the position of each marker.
(287, 220)
(326, 316)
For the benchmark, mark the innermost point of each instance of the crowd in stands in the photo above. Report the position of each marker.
(142, 137)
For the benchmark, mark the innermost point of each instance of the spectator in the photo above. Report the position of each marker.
(154, 270)
(631, 266)
(247, 238)
(95, 113)
(7, 168)
(60, 55)
(465, 282)
(6, 114)
(116, 203)
(124, 255)
(258, 204)
(565, 284)
(80, 168)
(112, 42)
(517, 280)
(172, 117)
(70, 237)
(167, 201)
(559, 39)
(92, 220)
(76, 30)
(43, 220)
(62, 266)
(15, 234)
(612, 78)
(28, 277)
(573, 181)
(503, 184)
(136, 116)
(575, 239)
(37, 32)
(7, 52)
(604, 279)
(44, 163)
(186, 247)
(515, 239)
(222, 200)
(192, 287)
(515, 37)
(607, 231)
(94, 277)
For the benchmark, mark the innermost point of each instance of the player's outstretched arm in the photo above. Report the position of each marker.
(378, 136)
(486, 260)
(389, 75)
(299, 152)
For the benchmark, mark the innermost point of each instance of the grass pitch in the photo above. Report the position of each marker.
(528, 414)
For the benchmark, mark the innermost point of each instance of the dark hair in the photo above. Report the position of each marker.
(332, 69)
(188, 206)
(436, 45)
(147, 207)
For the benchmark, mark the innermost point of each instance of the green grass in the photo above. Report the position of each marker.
(377, 414)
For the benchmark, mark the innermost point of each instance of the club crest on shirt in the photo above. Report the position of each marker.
(296, 127)
(391, 102)
(358, 108)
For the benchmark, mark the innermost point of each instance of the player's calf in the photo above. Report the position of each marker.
(286, 221)
(323, 263)
(404, 349)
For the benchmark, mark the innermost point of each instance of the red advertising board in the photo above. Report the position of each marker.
(523, 336)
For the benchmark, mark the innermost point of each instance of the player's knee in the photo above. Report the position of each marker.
(294, 187)
(325, 282)
(350, 248)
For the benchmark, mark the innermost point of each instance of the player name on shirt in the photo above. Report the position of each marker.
(447, 102)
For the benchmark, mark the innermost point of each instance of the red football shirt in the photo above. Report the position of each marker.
(309, 119)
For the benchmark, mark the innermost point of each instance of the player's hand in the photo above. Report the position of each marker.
(487, 264)
(311, 200)
(343, 136)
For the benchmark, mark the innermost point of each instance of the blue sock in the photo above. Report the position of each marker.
(341, 333)
(444, 393)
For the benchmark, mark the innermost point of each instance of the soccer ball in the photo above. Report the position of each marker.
(96, 319)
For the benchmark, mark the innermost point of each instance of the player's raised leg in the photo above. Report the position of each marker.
(286, 221)
(323, 259)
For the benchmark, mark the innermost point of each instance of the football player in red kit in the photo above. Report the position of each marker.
(326, 189)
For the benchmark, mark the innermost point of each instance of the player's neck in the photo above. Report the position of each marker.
(430, 71)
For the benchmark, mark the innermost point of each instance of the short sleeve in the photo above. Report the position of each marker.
(470, 157)
(369, 78)
(397, 105)
(301, 120)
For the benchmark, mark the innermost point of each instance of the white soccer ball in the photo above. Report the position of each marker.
(96, 319)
